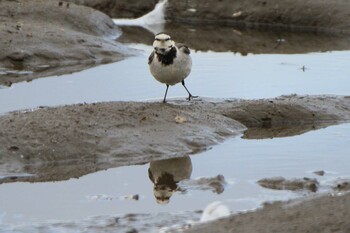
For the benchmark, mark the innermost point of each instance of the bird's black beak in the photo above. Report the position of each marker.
(160, 50)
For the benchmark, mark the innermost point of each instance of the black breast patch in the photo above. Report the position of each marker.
(167, 59)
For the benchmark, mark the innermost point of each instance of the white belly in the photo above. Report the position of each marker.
(173, 73)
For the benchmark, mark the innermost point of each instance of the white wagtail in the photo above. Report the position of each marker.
(170, 63)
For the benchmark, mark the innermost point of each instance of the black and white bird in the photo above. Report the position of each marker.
(169, 63)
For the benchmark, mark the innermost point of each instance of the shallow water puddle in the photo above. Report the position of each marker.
(225, 75)
(242, 162)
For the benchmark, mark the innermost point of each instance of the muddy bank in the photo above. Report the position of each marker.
(42, 38)
(322, 214)
(70, 141)
(244, 41)
(311, 15)
(120, 9)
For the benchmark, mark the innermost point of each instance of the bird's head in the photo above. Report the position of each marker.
(163, 193)
(162, 43)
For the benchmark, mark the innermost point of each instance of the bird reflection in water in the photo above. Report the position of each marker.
(166, 174)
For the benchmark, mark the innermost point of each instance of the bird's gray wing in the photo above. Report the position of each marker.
(184, 48)
(150, 58)
(150, 175)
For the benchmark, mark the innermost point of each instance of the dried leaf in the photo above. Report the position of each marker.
(180, 119)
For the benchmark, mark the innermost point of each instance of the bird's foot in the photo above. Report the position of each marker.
(190, 97)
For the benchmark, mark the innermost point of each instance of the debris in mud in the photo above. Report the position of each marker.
(132, 231)
(132, 197)
(13, 177)
(342, 185)
(13, 148)
(180, 119)
(281, 183)
(104, 197)
(215, 211)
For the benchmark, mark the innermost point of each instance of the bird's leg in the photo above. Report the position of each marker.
(166, 92)
(190, 96)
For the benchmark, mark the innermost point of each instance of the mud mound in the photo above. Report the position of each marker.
(47, 37)
(70, 141)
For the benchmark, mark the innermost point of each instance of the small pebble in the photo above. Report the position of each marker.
(319, 173)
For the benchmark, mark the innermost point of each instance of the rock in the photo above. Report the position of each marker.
(215, 210)
(319, 173)
(281, 183)
(342, 185)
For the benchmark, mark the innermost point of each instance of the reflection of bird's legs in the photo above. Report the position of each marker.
(166, 92)
(190, 96)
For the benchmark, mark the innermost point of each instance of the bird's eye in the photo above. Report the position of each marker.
(157, 39)
(167, 39)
